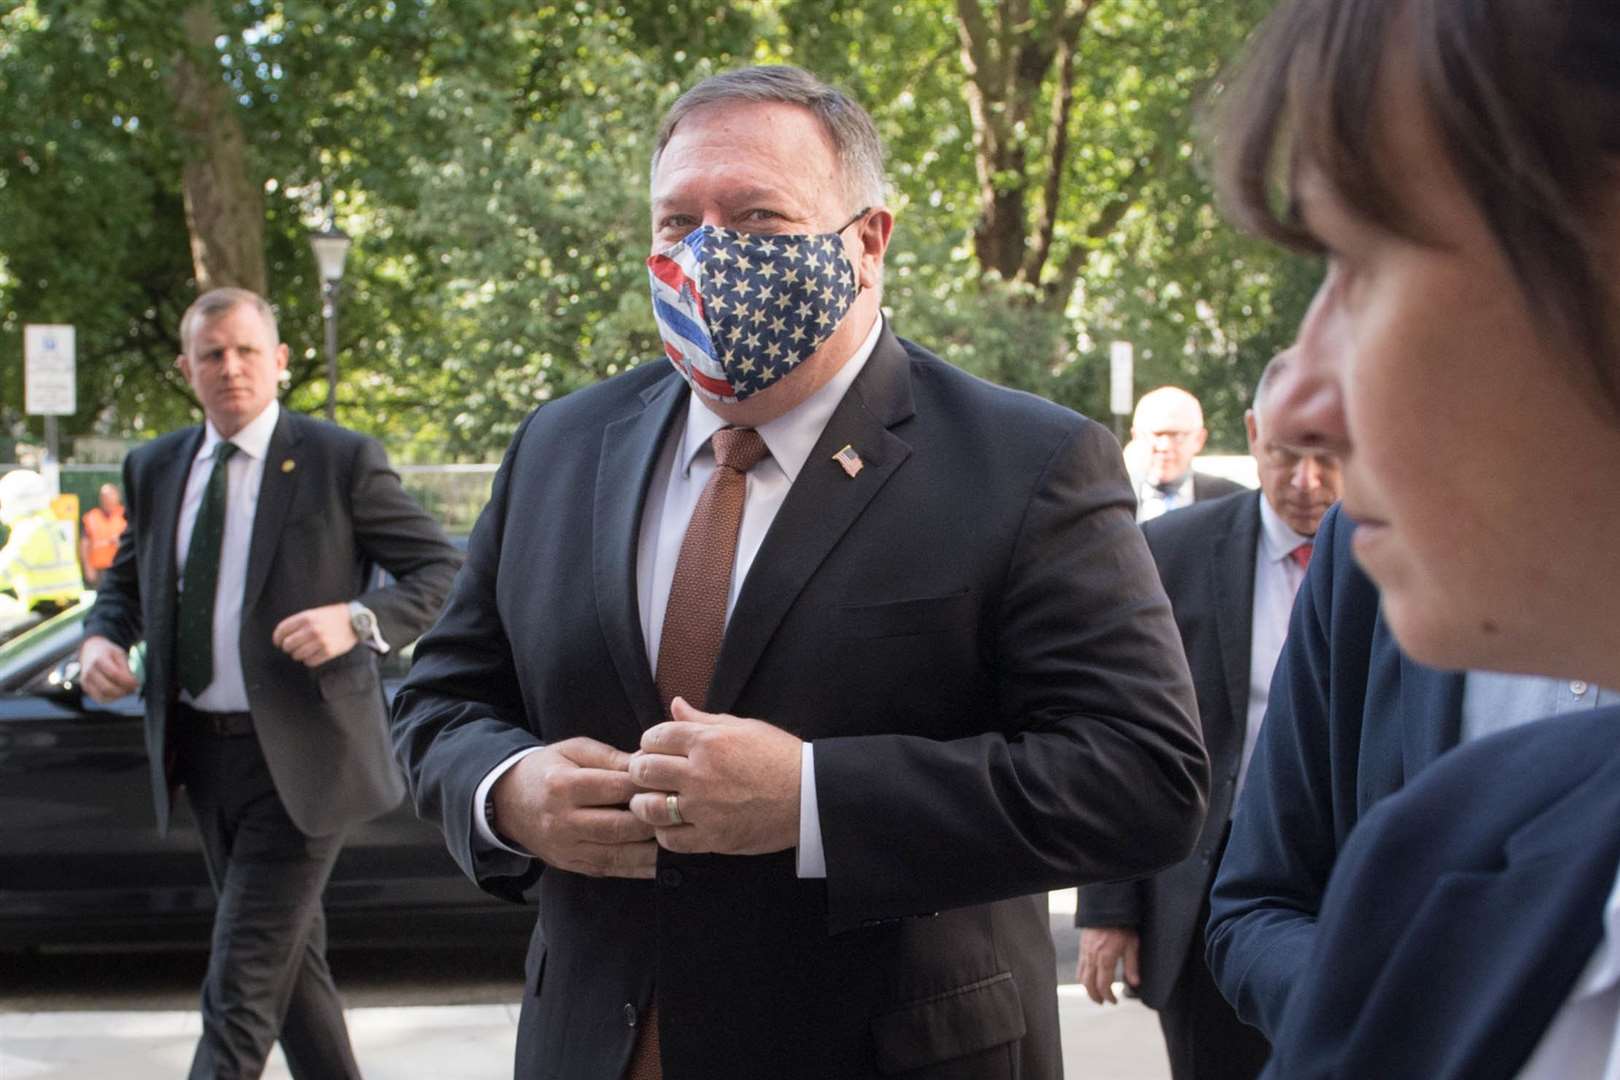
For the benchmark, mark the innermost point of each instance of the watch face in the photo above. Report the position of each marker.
(362, 621)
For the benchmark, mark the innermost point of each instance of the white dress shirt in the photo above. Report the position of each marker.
(1152, 501)
(683, 469)
(228, 691)
(1584, 1038)
(1277, 578)
(1495, 702)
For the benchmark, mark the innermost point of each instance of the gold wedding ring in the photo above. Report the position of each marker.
(674, 803)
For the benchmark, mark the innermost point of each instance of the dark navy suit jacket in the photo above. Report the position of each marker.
(1350, 720)
(1205, 555)
(973, 634)
(1462, 911)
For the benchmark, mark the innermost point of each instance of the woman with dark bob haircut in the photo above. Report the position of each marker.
(1458, 164)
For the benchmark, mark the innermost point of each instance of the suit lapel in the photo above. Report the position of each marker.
(168, 492)
(1532, 921)
(1232, 559)
(821, 506)
(276, 488)
(630, 448)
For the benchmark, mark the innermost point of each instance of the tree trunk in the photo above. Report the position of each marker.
(1009, 53)
(224, 207)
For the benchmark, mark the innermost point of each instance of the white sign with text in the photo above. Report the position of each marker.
(48, 370)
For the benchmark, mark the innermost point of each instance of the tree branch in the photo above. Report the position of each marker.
(1057, 142)
(1056, 292)
(978, 44)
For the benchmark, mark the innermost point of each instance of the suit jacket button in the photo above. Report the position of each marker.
(669, 877)
(629, 1015)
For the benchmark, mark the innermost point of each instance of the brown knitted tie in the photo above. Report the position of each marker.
(695, 623)
(695, 620)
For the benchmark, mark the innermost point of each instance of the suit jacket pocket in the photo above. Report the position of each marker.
(346, 675)
(963, 1021)
(903, 618)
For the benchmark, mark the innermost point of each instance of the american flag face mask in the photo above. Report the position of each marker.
(738, 311)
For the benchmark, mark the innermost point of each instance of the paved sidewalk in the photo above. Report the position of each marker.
(458, 1042)
(474, 1041)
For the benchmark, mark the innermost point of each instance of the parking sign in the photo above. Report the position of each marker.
(48, 366)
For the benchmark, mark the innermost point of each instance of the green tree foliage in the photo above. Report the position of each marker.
(1134, 248)
(489, 158)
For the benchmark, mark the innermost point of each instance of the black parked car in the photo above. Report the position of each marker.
(81, 861)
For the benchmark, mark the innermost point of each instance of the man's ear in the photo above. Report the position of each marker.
(873, 235)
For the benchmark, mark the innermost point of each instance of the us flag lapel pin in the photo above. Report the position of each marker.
(849, 461)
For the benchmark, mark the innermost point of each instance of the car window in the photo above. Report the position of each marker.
(38, 649)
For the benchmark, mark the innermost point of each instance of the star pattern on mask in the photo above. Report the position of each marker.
(775, 302)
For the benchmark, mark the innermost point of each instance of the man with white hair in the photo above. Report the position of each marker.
(1167, 432)
(38, 563)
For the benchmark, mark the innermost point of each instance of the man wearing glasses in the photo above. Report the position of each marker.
(1167, 432)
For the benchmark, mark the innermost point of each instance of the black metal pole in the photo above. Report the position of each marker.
(329, 313)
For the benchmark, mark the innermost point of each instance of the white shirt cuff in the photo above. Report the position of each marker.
(812, 860)
(481, 824)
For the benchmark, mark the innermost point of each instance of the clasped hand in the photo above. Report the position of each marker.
(583, 806)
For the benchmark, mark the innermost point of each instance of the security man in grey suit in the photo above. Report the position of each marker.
(246, 568)
(1231, 567)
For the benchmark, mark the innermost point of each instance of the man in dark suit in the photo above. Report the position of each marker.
(1167, 434)
(935, 676)
(246, 568)
(1231, 568)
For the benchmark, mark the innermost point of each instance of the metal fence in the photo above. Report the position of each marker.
(454, 494)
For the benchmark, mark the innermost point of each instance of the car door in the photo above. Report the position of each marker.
(79, 853)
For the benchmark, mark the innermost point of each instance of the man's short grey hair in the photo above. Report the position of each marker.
(1274, 369)
(854, 136)
(217, 302)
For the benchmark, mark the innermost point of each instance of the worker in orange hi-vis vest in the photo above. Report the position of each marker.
(103, 525)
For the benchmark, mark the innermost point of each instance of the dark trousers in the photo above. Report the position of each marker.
(1203, 1036)
(267, 973)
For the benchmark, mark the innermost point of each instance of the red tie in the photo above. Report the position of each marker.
(1302, 555)
(695, 623)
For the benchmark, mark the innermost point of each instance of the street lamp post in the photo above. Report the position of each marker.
(331, 247)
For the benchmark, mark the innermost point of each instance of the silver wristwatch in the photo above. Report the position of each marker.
(364, 622)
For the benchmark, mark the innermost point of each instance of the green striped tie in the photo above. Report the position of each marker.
(194, 634)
